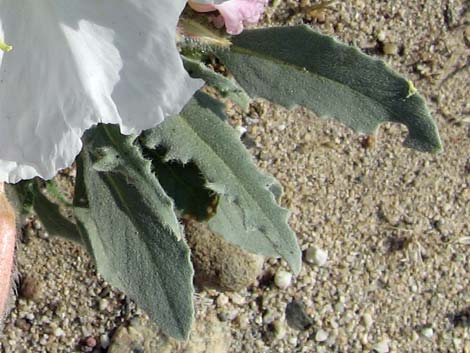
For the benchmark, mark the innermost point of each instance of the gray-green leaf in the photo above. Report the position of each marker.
(226, 86)
(247, 213)
(131, 229)
(298, 66)
(51, 216)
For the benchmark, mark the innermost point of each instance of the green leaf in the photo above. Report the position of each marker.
(184, 183)
(131, 229)
(52, 218)
(247, 214)
(229, 88)
(298, 66)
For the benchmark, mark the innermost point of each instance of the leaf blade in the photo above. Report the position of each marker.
(132, 231)
(329, 78)
(244, 193)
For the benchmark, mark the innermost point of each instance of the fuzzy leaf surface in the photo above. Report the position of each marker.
(131, 229)
(224, 85)
(296, 66)
(184, 184)
(51, 216)
(247, 212)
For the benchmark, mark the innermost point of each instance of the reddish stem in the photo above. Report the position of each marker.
(7, 249)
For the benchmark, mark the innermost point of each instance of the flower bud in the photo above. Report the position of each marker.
(234, 14)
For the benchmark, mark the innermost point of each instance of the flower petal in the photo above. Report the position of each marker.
(235, 13)
(76, 63)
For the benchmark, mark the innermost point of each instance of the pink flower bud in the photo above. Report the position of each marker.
(233, 13)
(7, 249)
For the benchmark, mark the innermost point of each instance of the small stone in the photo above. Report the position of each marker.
(31, 288)
(382, 347)
(268, 317)
(58, 332)
(282, 279)
(103, 305)
(293, 341)
(228, 315)
(37, 224)
(427, 332)
(279, 329)
(381, 36)
(44, 340)
(315, 255)
(43, 234)
(390, 49)
(104, 341)
(23, 324)
(321, 336)
(296, 316)
(222, 300)
(237, 299)
(368, 320)
(90, 342)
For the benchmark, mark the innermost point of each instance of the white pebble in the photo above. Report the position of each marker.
(222, 300)
(368, 320)
(282, 279)
(381, 36)
(427, 332)
(321, 336)
(103, 304)
(237, 299)
(293, 340)
(58, 332)
(382, 347)
(317, 256)
(104, 341)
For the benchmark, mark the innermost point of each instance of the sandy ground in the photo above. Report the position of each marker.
(395, 223)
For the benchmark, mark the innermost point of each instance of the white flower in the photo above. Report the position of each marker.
(75, 63)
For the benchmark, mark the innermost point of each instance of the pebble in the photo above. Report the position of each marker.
(279, 329)
(321, 336)
(37, 224)
(315, 255)
(283, 279)
(382, 347)
(293, 340)
(381, 36)
(103, 305)
(43, 234)
(90, 342)
(427, 332)
(31, 289)
(104, 341)
(58, 332)
(296, 316)
(368, 320)
(237, 299)
(222, 300)
(390, 49)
